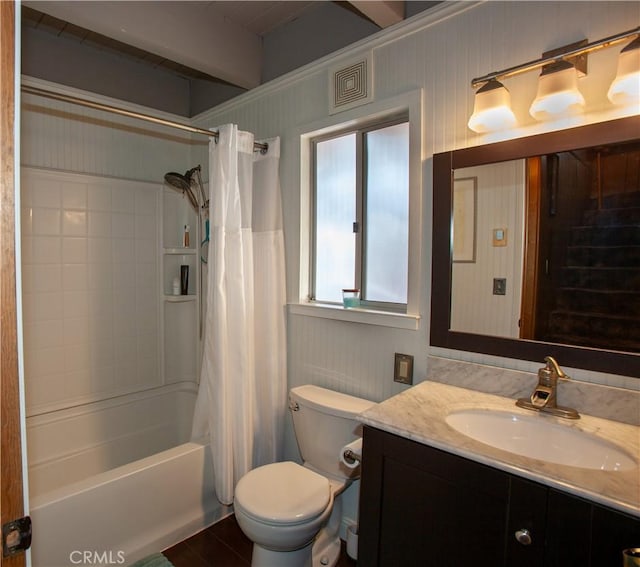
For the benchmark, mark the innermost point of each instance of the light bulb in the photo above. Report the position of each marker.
(492, 109)
(558, 93)
(625, 88)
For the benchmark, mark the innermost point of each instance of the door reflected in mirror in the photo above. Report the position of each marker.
(547, 248)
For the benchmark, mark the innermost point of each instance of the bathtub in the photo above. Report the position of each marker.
(119, 515)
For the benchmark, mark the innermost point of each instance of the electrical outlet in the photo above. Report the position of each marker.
(403, 369)
(499, 286)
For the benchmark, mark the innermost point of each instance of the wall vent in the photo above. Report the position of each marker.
(351, 85)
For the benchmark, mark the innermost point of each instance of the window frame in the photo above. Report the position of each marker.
(298, 221)
(360, 130)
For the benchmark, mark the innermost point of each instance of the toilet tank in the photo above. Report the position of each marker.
(324, 421)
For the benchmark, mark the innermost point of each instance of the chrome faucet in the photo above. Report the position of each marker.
(545, 395)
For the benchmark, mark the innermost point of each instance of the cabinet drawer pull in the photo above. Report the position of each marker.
(524, 537)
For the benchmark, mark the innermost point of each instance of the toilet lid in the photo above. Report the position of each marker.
(283, 493)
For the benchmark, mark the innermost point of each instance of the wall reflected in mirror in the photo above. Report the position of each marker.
(499, 198)
(556, 249)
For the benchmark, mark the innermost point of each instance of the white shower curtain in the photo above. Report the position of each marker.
(241, 402)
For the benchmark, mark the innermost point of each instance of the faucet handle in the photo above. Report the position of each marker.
(554, 367)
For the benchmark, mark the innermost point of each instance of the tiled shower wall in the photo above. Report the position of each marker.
(90, 287)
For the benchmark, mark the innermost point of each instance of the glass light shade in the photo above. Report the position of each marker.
(558, 93)
(492, 109)
(625, 88)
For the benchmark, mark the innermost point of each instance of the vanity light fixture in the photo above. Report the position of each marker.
(625, 88)
(492, 108)
(558, 93)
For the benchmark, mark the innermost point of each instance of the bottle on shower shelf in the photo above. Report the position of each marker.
(185, 236)
(184, 280)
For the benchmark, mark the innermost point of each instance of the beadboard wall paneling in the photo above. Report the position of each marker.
(66, 137)
(440, 53)
(339, 356)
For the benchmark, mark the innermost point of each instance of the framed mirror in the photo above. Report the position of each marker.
(536, 248)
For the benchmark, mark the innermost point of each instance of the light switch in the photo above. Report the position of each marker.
(499, 286)
(499, 236)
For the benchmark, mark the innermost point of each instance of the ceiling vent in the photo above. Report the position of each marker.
(351, 85)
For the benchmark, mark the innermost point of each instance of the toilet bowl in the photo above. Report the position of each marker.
(281, 508)
(292, 512)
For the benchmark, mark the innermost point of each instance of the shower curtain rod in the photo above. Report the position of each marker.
(257, 146)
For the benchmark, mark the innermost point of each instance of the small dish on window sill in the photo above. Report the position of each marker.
(350, 298)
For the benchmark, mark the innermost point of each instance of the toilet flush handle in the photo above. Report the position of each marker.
(293, 406)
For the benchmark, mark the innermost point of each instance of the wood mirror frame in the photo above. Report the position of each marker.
(444, 164)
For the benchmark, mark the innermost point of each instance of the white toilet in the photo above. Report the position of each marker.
(291, 512)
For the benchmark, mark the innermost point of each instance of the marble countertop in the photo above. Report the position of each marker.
(419, 414)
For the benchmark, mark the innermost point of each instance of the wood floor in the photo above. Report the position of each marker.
(221, 545)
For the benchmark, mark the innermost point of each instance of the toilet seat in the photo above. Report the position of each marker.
(283, 494)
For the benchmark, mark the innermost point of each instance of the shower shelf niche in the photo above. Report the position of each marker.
(180, 313)
(172, 263)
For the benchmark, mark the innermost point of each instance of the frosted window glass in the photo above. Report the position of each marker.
(335, 215)
(387, 214)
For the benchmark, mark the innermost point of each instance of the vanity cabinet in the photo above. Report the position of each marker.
(425, 507)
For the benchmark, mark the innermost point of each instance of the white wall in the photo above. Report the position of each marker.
(66, 137)
(439, 53)
(499, 205)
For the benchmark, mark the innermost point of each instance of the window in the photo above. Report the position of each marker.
(361, 220)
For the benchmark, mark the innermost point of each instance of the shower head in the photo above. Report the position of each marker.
(182, 183)
(177, 181)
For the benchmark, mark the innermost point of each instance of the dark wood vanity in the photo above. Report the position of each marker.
(424, 507)
(430, 497)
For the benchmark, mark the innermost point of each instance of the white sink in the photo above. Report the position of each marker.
(533, 436)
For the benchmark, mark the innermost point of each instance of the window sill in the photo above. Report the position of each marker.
(357, 315)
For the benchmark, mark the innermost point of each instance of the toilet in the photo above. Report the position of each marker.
(292, 512)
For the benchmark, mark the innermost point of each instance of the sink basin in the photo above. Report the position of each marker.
(533, 436)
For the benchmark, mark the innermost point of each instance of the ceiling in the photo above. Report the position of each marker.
(211, 40)
(261, 17)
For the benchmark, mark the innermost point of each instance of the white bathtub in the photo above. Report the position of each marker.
(72, 444)
(122, 515)
(117, 516)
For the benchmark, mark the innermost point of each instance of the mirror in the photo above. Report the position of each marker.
(517, 272)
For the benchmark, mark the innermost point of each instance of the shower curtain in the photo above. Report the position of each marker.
(241, 403)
